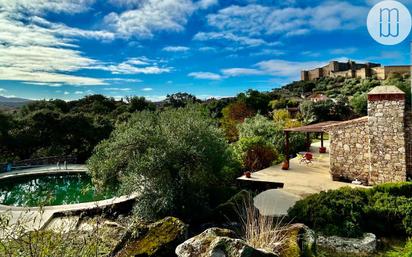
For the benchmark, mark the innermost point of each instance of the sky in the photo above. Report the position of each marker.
(67, 49)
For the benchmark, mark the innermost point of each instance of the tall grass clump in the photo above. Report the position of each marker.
(260, 231)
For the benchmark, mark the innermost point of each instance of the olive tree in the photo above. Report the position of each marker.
(172, 159)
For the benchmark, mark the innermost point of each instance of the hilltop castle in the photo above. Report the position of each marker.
(352, 69)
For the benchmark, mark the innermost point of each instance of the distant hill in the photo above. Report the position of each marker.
(12, 102)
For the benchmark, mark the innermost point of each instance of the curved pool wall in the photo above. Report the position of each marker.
(53, 170)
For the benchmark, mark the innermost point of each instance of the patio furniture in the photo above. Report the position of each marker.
(305, 158)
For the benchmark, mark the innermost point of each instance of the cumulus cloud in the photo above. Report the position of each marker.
(143, 18)
(38, 51)
(151, 16)
(205, 75)
(176, 49)
(147, 89)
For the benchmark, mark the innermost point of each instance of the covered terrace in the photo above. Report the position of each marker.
(308, 129)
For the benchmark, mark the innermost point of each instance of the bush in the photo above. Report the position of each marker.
(384, 210)
(272, 132)
(172, 159)
(335, 212)
(254, 153)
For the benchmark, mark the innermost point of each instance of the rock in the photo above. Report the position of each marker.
(158, 239)
(217, 242)
(365, 245)
(229, 211)
(301, 241)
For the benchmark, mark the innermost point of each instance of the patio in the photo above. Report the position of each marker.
(301, 179)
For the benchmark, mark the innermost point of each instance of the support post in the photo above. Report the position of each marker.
(307, 141)
(287, 145)
(321, 139)
(285, 165)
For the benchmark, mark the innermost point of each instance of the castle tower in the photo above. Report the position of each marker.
(386, 128)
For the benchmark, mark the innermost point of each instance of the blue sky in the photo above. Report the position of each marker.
(211, 48)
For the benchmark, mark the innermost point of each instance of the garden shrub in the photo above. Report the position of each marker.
(272, 132)
(405, 251)
(335, 212)
(384, 210)
(254, 153)
(172, 159)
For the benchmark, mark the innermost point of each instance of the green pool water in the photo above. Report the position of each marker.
(46, 190)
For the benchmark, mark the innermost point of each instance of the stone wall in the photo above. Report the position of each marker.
(386, 124)
(349, 150)
(376, 148)
(408, 145)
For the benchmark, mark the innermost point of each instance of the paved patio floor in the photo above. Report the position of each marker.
(299, 181)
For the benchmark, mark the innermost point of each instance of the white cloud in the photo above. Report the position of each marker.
(66, 93)
(228, 36)
(143, 18)
(2, 90)
(78, 92)
(341, 51)
(119, 80)
(33, 50)
(205, 75)
(44, 84)
(285, 68)
(204, 4)
(41, 6)
(147, 89)
(234, 72)
(117, 89)
(176, 49)
(135, 66)
(256, 20)
(151, 16)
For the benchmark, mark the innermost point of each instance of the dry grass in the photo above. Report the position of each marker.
(262, 232)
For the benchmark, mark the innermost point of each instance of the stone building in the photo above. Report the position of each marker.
(376, 148)
(352, 69)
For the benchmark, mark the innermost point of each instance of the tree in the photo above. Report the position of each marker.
(179, 100)
(173, 160)
(359, 104)
(233, 114)
(138, 104)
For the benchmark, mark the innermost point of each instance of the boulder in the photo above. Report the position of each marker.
(301, 241)
(158, 239)
(357, 246)
(217, 242)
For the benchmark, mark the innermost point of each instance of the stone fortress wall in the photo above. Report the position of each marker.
(376, 148)
(352, 69)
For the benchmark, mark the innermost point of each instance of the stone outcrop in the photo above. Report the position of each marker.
(217, 242)
(362, 246)
(158, 239)
(301, 241)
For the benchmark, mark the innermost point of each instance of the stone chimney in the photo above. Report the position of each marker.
(386, 126)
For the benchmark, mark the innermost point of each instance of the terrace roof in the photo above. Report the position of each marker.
(317, 127)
